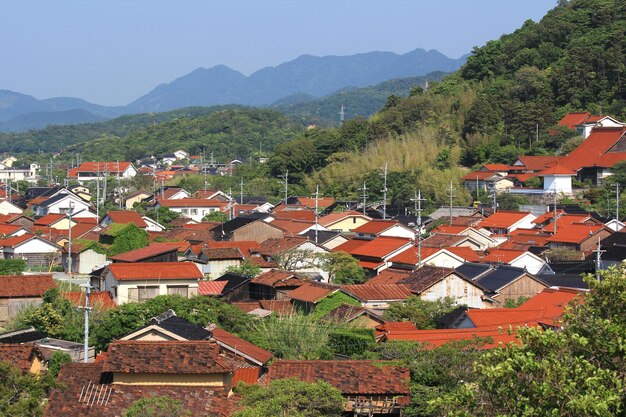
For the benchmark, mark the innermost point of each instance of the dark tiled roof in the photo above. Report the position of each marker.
(172, 357)
(380, 292)
(564, 280)
(66, 400)
(181, 327)
(424, 278)
(214, 254)
(442, 240)
(350, 377)
(323, 236)
(233, 281)
(20, 356)
(21, 336)
(232, 225)
(614, 246)
(345, 313)
(500, 277)
(471, 270)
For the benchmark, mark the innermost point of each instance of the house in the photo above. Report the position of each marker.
(216, 261)
(123, 217)
(306, 296)
(135, 198)
(199, 398)
(156, 252)
(445, 240)
(345, 221)
(180, 154)
(557, 179)
(385, 228)
(81, 191)
(367, 385)
(327, 239)
(246, 229)
(61, 203)
(58, 221)
(274, 284)
(7, 207)
(504, 222)
(26, 358)
(152, 225)
(91, 171)
(193, 208)
(231, 287)
(373, 255)
(20, 291)
(517, 258)
(296, 254)
(354, 315)
(132, 282)
(34, 250)
(614, 247)
(578, 237)
(87, 256)
(29, 173)
(584, 122)
(482, 236)
(98, 300)
(487, 181)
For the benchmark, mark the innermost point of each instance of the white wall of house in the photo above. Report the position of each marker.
(399, 231)
(217, 268)
(152, 225)
(530, 261)
(557, 183)
(457, 288)
(122, 290)
(63, 205)
(89, 260)
(524, 223)
(195, 213)
(9, 208)
(310, 266)
(444, 259)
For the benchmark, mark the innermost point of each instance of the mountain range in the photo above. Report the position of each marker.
(306, 76)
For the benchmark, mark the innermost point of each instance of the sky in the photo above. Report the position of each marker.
(113, 51)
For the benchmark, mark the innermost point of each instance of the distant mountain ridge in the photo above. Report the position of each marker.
(306, 75)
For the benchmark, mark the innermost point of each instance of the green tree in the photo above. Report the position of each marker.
(163, 215)
(129, 237)
(156, 407)
(57, 360)
(290, 398)
(247, 269)
(12, 266)
(215, 216)
(343, 268)
(421, 313)
(21, 395)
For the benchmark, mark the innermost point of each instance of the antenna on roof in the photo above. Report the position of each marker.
(286, 180)
(384, 190)
(599, 253)
(317, 194)
(451, 191)
(616, 206)
(241, 191)
(555, 200)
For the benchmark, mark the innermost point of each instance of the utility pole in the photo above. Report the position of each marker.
(7, 191)
(418, 211)
(119, 187)
(241, 191)
(230, 203)
(617, 206)
(87, 309)
(599, 253)
(451, 191)
(286, 179)
(364, 197)
(384, 190)
(342, 115)
(494, 200)
(317, 195)
(69, 242)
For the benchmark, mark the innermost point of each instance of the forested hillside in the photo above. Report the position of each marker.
(489, 111)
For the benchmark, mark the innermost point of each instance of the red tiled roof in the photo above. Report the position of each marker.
(240, 346)
(497, 167)
(13, 286)
(503, 219)
(155, 271)
(593, 150)
(311, 292)
(556, 169)
(49, 219)
(441, 240)
(331, 218)
(371, 264)
(294, 214)
(309, 202)
(574, 233)
(64, 400)
(16, 240)
(275, 277)
(276, 246)
(293, 226)
(387, 276)
(502, 255)
(374, 292)
(351, 377)
(504, 316)
(451, 230)
(7, 229)
(573, 119)
(209, 288)
(536, 162)
(125, 217)
(480, 175)
(171, 357)
(21, 356)
(438, 337)
(100, 299)
(381, 247)
(409, 256)
(467, 254)
(95, 167)
(547, 216)
(375, 227)
(150, 251)
(350, 245)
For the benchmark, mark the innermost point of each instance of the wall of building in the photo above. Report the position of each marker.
(347, 225)
(457, 288)
(257, 232)
(522, 287)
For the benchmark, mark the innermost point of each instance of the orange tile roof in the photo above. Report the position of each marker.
(409, 256)
(379, 292)
(13, 286)
(240, 346)
(375, 227)
(387, 276)
(140, 254)
(593, 150)
(211, 287)
(468, 254)
(503, 219)
(155, 271)
(7, 229)
(13, 241)
(350, 245)
(480, 175)
(125, 217)
(502, 255)
(371, 264)
(99, 299)
(438, 337)
(351, 377)
(497, 167)
(311, 292)
(381, 247)
(193, 202)
(573, 119)
(294, 215)
(294, 227)
(322, 202)
(447, 229)
(49, 219)
(556, 169)
(102, 167)
(537, 162)
(20, 356)
(547, 216)
(275, 277)
(574, 233)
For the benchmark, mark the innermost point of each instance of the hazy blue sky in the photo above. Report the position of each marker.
(113, 51)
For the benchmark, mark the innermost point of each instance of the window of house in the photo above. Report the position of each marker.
(185, 211)
(178, 290)
(194, 211)
(147, 292)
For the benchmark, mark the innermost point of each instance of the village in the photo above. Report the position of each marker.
(342, 262)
